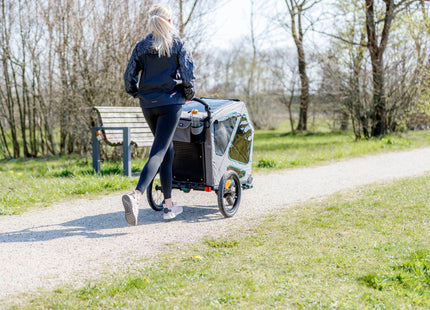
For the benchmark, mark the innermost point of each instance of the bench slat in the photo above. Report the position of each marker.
(134, 134)
(103, 109)
(134, 130)
(123, 119)
(118, 138)
(126, 124)
(119, 135)
(122, 115)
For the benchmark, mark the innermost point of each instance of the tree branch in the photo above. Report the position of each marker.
(340, 38)
(389, 15)
(191, 13)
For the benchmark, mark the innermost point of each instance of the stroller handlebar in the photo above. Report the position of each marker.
(206, 105)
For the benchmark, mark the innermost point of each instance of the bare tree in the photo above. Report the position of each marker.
(250, 90)
(392, 94)
(7, 90)
(407, 74)
(349, 81)
(286, 78)
(297, 9)
(379, 19)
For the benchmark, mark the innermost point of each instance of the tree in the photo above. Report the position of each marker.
(345, 69)
(297, 9)
(8, 99)
(379, 19)
(285, 78)
(370, 33)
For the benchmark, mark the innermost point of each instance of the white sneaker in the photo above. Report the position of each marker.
(171, 213)
(131, 208)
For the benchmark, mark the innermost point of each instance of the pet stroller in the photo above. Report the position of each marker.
(213, 152)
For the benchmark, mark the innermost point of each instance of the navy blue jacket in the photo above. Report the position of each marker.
(163, 80)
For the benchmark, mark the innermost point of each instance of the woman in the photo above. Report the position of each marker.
(166, 81)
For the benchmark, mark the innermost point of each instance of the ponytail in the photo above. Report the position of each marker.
(161, 29)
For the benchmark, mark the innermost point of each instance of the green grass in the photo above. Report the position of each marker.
(365, 249)
(279, 149)
(40, 182)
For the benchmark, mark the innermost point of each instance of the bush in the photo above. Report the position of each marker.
(266, 163)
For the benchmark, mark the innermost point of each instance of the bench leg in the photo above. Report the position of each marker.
(126, 146)
(96, 151)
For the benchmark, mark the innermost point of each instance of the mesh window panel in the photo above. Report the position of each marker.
(241, 147)
(223, 130)
(188, 163)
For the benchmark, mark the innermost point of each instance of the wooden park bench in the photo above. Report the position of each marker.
(120, 126)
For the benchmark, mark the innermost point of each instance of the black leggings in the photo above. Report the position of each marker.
(162, 121)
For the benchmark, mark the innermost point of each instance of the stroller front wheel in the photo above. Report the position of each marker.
(229, 193)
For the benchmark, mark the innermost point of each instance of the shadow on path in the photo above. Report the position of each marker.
(93, 226)
(89, 227)
(194, 214)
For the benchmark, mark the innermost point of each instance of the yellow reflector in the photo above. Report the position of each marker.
(227, 184)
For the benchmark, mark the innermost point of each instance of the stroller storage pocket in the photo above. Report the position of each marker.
(182, 132)
(198, 136)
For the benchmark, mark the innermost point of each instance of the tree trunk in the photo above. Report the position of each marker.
(10, 104)
(304, 94)
(296, 11)
(5, 149)
(358, 110)
(376, 50)
(379, 126)
(290, 113)
(345, 120)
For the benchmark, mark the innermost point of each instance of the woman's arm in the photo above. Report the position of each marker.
(131, 75)
(186, 69)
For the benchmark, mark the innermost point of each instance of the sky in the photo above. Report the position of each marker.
(232, 21)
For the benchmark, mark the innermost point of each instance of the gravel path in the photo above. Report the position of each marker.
(79, 240)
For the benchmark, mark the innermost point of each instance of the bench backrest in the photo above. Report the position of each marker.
(131, 117)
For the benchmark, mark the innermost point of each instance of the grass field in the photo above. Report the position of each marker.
(29, 183)
(39, 182)
(364, 249)
(280, 150)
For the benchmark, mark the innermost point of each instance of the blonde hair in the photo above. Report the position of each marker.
(161, 28)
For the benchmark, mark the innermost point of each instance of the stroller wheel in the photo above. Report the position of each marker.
(154, 194)
(229, 192)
